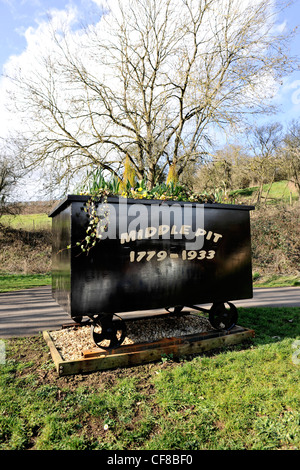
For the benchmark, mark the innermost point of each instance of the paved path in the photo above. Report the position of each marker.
(28, 312)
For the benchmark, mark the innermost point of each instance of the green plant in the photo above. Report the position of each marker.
(99, 189)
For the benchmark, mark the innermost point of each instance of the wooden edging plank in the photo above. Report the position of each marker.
(192, 344)
(131, 348)
(57, 359)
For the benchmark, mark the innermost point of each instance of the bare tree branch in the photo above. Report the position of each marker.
(149, 81)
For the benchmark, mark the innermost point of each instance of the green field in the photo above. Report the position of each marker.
(280, 191)
(276, 280)
(12, 282)
(276, 193)
(27, 221)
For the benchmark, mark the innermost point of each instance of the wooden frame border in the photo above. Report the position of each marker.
(130, 355)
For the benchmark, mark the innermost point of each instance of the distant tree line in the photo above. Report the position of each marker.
(268, 154)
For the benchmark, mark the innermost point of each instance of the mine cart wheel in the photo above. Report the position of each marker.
(106, 333)
(222, 317)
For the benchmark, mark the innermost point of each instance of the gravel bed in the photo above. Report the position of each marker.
(70, 342)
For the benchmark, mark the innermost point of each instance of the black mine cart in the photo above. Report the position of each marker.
(149, 254)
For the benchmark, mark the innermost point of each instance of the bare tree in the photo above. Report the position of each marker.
(149, 82)
(226, 170)
(265, 142)
(8, 179)
(291, 153)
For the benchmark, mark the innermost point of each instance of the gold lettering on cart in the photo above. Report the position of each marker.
(161, 255)
(162, 230)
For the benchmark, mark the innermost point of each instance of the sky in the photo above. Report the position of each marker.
(21, 18)
(17, 16)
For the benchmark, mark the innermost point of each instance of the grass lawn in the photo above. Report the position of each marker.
(243, 397)
(274, 280)
(27, 221)
(12, 282)
(278, 192)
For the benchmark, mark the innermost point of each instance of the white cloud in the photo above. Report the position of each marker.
(38, 39)
(289, 91)
(295, 97)
(281, 27)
